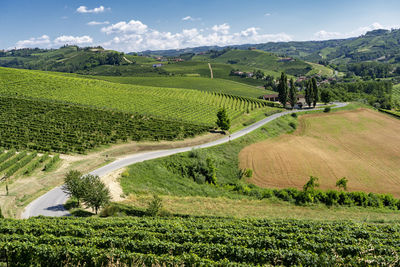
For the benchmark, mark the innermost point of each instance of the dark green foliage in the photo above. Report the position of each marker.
(326, 96)
(371, 69)
(283, 89)
(314, 91)
(294, 115)
(292, 97)
(61, 127)
(293, 125)
(96, 193)
(308, 93)
(342, 183)
(376, 93)
(74, 186)
(223, 121)
(327, 109)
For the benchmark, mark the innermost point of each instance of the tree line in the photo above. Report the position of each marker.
(287, 92)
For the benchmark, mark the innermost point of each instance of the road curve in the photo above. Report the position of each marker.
(51, 203)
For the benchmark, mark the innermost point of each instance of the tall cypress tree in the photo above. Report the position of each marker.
(292, 94)
(283, 89)
(308, 95)
(315, 92)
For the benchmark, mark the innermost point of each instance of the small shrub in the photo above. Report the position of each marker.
(294, 115)
(327, 109)
(155, 206)
(125, 174)
(293, 125)
(248, 173)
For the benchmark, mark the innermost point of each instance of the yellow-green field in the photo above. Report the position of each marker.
(362, 145)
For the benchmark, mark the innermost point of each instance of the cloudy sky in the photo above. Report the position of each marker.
(131, 25)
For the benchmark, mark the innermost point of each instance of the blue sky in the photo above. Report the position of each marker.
(132, 25)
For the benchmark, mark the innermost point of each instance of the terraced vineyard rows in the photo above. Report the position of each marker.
(167, 103)
(51, 126)
(21, 163)
(197, 241)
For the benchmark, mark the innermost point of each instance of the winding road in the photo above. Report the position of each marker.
(51, 203)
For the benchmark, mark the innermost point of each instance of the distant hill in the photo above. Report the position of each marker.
(382, 46)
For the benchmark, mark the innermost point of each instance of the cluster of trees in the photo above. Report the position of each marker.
(375, 93)
(370, 69)
(88, 189)
(223, 122)
(288, 93)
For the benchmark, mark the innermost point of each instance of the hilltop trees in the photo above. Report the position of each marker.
(283, 89)
(223, 122)
(292, 94)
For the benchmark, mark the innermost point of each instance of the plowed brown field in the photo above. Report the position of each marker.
(362, 145)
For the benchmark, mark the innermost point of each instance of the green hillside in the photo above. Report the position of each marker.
(248, 60)
(396, 92)
(171, 103)
(196, 83)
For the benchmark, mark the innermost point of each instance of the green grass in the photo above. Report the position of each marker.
(196, 83)
(160, 175)
(172, 103)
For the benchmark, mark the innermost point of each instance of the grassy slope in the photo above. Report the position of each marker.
(196, 83)
(182, 195)
(169, 103)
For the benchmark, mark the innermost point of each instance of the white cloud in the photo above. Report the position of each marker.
(325, 35)
(223, 28)
(136, 36)
(84, 9)
(190, 18)
(42, 41)
(78, 40)
(95, 23)
(133, 26)
(187, 18)
(267, 14)
(45, 41)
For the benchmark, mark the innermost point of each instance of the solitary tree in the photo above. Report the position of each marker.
(73, 185)
(311, 184)
(342, 183)
(97, 194)
(315, 92)
(283, 89)
(292, 94)
(326, 96)
(223, 122)
(308, 95)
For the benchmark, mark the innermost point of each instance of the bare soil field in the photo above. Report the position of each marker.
(361, 145)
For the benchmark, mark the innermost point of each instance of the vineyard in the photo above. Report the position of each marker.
(24, 163)
(196, 241)
(51, 126)
(191, 106)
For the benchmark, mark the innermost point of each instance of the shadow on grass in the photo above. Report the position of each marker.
(81, 213)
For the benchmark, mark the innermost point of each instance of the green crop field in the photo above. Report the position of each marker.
(190, 106)
(196, 242)
(14, 163)
(197, 83)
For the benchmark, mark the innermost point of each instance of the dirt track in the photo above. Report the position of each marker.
(362, 145)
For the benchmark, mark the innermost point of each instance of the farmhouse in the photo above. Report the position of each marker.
(301, 101)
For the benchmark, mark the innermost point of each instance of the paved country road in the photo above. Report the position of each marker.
(51, 203)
